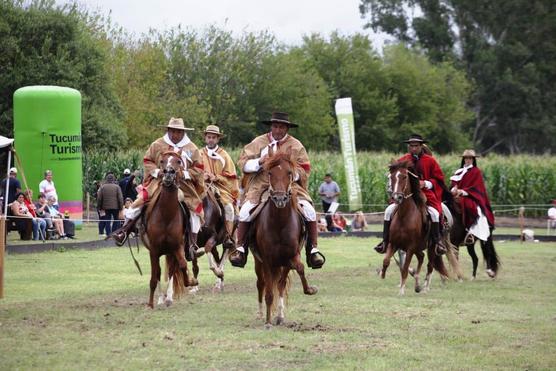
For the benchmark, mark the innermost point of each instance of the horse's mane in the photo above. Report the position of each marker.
(418, 196)
(277, 158)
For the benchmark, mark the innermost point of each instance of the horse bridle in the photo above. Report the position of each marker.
(170, 174)
(280, 198)
(398, 197)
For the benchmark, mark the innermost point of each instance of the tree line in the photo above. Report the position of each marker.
(131, 85)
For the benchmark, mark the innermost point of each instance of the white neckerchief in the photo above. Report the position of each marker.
(176, 146)
(215, 156)
(273, 144)
(459, 173)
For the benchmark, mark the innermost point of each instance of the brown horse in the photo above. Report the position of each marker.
(276, 237)
(409, 228)
(166, 228)
(458, 235)
(212, 234)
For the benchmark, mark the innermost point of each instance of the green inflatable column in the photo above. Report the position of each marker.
(47, 131)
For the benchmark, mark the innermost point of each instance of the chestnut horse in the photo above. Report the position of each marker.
(458, 235)
(276, 237)
(165, 231)
(409, 228)
(212, 234)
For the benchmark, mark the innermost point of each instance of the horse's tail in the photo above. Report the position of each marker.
(275, 274)
(172, 265)
(438, 264)
(489, 254)
(452, 255)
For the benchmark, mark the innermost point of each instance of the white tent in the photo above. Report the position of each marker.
(7, 142)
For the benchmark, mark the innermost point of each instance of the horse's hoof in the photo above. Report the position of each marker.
(192, 282)
(279, 321)
(194, 289)
(161, 299)
(311, 290)
(417, 289)
(150, 306)
(268, 326)
(168, 302)
(491, 273)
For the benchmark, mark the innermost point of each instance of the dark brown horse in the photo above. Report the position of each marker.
(276, 238)
(458, 235)
(166, 228)
(409, 228)
(212, 234)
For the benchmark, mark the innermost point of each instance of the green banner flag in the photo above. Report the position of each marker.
(344, 113)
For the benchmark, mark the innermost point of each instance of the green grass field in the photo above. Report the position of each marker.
(82, 309)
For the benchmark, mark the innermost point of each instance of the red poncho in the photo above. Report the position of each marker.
(472, 183)
(428, 169)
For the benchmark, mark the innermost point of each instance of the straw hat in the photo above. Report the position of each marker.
(469, 153)
(213, 129)
(280, 117)
(177, 124)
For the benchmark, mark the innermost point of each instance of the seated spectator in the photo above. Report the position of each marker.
(339, 223)
(359, 223)
(322, 225)
(32, 209)
(20, 210)
(41, 208)
(552, 215)
(56, 216)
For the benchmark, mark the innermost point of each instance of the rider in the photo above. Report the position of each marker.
(251, 161)
(469, 188)
(221, 172)
(192, 186)
(431, 180)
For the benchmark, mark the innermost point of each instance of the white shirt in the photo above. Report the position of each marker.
(47, 188)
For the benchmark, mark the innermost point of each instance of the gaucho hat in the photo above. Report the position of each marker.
(280, 117)
(415, 138)
(469, 153)
(213, 129)
(177, 123)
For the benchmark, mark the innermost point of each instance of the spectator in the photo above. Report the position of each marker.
(552, 215)
(41, 208)
(47, 188)
(15, 186)
(110, 202)
(359, 223)
(328, 192)
(129, 183)
(28, 199)
(339, 223)
(322, 225)
(20, 210)
(56, 217)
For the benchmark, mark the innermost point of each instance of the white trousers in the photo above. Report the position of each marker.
(229, 212)
(435, 216)
(306, 207)
(194, 219)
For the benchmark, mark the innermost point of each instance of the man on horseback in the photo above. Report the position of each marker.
(220, 171)
(251, 161)
(431, 180)
(191, 186)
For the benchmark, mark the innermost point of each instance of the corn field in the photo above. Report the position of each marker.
(511, 181)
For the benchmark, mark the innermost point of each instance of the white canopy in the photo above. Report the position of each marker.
(5, 142)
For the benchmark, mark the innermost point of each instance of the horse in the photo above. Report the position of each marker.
(276, 237)
(458, 236)
(164, 234)
(409, 228)
(212, 234)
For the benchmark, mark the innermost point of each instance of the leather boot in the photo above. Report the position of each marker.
(383, 245)
(315, 259)
(229, 241)
(120, 235)
(440, 249)
(239, 257)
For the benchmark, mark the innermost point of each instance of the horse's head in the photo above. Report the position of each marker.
(281, 169)
(171, 165)
(402, 182)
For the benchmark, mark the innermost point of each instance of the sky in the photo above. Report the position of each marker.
(288, 20)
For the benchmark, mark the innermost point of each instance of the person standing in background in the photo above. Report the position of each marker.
(15, 186)
(110, 202)
(328, 192)
(47, 188)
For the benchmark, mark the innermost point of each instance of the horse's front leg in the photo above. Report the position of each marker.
(405, 270)
(474, 258)
(430, 268)
(300, 269)
(155, 277)
(219, 286)
(282, 287)
(260, 287)
(213, 266)
(386, 261)
(420, 258)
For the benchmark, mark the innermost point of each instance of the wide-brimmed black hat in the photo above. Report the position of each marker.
(415, 138)
(280, 117)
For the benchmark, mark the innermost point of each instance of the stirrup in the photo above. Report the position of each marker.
(380, 248)
(469, 239)
(120, 241)
(238, 259)
(317, 265)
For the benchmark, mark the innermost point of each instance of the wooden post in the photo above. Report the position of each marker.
(2, 249)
